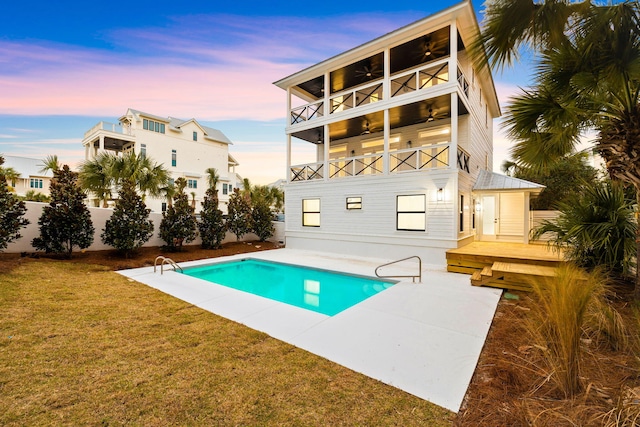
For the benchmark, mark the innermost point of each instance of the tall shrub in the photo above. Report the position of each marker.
(239, 213)
(261, 218)
(129, 226)
(12, 211)
(179, 223)
(66, 221)
(211, 225)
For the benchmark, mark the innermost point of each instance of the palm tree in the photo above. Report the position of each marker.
(50, 163)
(11, 175)
(96, 176)
(212, 177)
(109, 171)
(168, 191)
(587, 79)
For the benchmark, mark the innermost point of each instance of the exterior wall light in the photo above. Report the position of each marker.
(440, 194)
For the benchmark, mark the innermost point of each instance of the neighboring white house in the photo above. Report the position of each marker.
(403, 127)
(185, 147)
(32, 178)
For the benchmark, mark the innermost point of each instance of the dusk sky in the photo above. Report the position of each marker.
(66, 65)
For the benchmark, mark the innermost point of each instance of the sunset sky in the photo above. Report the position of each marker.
(66, 65)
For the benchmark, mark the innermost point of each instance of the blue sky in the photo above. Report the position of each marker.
(66, 65)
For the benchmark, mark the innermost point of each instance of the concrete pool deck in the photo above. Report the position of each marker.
(423, 338)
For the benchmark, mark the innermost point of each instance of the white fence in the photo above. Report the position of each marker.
(99, 216)
(536, 219)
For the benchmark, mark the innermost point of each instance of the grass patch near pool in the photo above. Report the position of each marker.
(82, 345)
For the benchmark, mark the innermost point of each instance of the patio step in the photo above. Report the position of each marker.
(512, 276)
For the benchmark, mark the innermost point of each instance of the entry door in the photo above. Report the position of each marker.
(489, 218)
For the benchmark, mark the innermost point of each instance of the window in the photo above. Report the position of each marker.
(35, 183)
(172, 181)
(230, 188)
(152, 126)
(174, 158)
(354, 203)
(195, 135)
(411, 213)
(461, 214)
(164, 207)
(225, 189)
(311, 212)
(192, 183)
(143, 150)
(473, 214)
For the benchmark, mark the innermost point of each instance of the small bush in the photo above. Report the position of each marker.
(129, 226)
(239, 214)
(12, 211)
(179, 223)
(262, 217)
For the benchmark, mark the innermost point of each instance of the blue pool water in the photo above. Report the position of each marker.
(323, 291)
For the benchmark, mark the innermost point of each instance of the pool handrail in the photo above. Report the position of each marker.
(413, 277)
(165, 260)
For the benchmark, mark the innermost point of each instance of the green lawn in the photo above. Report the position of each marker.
(81, 345)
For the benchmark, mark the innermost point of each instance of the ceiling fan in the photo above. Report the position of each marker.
(369, 72)
(433, 49)
(366, 130)
(432, 115)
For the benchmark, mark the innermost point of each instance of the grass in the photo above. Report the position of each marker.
(81, 345)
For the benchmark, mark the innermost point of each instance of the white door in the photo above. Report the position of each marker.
(489, 219)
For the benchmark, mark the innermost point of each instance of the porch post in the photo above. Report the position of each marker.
(327, 144)
(453, 154)
(527, 217)
(326, 93)
(385, 152)
(288, 158)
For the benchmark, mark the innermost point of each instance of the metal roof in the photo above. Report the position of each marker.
(26, 166)
(491, 181)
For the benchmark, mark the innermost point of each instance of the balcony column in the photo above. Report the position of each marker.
(288, 175)
(453, 57)
(453, 147)
(288, 106)
(327, 144)
(387, 136)
(101, 146)
(386, 85)
(327, 93)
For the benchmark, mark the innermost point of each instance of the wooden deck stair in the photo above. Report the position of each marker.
(504, 265)
(511, 276)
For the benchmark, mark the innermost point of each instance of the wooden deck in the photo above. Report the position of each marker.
(504, 265)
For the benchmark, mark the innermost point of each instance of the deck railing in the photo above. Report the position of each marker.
(111, 127)
(421, 78)
(418, 159)
(307, 112)
(464, 84)
(362, 95)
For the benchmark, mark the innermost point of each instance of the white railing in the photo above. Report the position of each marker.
(370, 164)
(463, 82)
(307, 172)
(419, 159)
(307, 112)
(356, 97)
(420, 78)
(434, 156)
(111, 127)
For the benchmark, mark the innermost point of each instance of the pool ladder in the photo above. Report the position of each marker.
(165, 260)
(413, 277)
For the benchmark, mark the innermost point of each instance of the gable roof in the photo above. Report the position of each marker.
(26, 166)
(176, 124)
(491, 181)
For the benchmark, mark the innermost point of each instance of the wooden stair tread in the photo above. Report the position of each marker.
(524, 269)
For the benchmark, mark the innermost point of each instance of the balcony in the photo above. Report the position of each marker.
(410, 160)
(110, 127)
(422, 78)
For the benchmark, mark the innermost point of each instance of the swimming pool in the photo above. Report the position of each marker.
(322, 291)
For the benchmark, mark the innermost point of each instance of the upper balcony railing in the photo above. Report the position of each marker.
(111, 127)
(419, 159)
(462, 81)
(357, 97)
(421, 78)
(307, 112)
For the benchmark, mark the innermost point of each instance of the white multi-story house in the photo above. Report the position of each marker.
(403, 127)
(185, 147)
(31, 176)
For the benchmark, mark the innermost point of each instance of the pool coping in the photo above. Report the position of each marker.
(424, 338)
